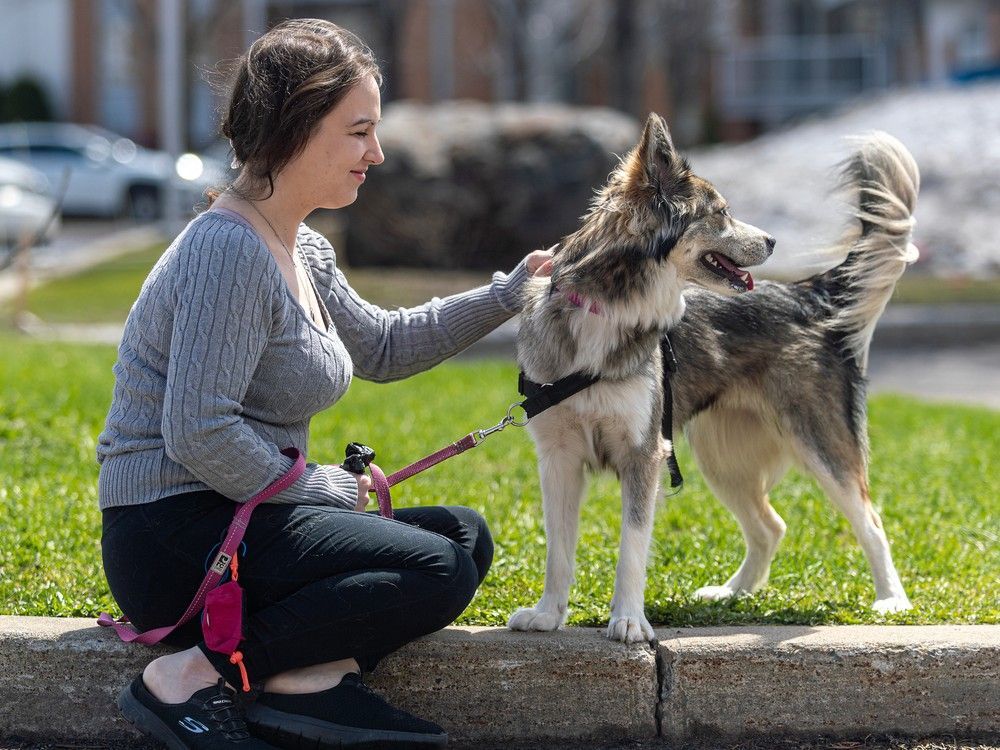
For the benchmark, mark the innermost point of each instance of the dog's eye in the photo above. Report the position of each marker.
(724, 212)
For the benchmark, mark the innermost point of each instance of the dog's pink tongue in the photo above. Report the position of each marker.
(735, 270)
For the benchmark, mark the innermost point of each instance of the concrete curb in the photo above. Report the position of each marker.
(58, 678)
(846, 680)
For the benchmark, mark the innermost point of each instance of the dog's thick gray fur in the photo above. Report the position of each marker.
(765, 379)
(778, 377)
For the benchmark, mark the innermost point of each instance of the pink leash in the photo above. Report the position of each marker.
(237, 528)
(381, 483)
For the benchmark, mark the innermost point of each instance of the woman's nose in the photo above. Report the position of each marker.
(375, 155)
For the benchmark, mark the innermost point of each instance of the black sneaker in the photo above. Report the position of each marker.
(211, 718)
(348, 715)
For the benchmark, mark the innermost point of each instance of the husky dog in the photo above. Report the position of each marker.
(779, 377)
(773, 378)
(616, 287)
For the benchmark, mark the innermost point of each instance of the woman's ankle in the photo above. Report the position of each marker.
(174, 678)
(311, 679)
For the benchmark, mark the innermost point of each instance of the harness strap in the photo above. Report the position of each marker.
(667, 422)
(541, 396)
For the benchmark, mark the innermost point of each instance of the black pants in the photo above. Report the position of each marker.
(320, 583)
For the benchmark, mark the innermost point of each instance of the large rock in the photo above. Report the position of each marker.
(470, 185)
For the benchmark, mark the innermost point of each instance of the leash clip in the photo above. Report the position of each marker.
(509, 419)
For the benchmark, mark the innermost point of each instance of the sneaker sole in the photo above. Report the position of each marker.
(299, 732)
(146, 721)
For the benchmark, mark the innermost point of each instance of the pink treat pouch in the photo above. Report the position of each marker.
(222, 619)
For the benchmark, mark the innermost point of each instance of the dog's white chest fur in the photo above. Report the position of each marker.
(621, 412)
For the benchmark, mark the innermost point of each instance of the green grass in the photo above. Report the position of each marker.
(933, 478)
(930, 290)
(105, 292)
(101, 294)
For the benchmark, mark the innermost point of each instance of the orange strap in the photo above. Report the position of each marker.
(237, 658)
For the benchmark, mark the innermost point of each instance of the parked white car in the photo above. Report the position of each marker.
(100, 173)
(26, 207)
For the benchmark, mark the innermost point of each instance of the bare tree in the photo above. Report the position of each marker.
(540, 42)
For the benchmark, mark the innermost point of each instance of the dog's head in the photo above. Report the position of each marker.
(654, 212)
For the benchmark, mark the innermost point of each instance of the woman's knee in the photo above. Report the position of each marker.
(480, 539)
(461, 589)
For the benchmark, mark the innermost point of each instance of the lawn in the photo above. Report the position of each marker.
(105, 292)
(933, 479)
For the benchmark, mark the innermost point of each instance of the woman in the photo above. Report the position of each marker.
(243, 330)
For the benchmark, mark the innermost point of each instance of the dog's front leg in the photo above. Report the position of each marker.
(640, 478)
(562, 489)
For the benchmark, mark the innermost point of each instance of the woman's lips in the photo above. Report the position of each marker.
(360, 176)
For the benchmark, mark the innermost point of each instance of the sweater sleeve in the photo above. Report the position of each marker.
(388, 345)
(224, 302)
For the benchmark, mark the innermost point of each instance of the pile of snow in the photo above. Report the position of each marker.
(782, 182)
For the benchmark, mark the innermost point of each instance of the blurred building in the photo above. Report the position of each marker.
(718, 69)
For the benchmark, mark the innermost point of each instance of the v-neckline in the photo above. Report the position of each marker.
(239, 218)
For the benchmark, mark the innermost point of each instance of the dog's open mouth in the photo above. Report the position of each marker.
(739, 279)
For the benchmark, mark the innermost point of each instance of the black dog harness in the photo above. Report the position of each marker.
(542, 396)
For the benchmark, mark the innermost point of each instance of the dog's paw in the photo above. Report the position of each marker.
(892, 604)
(715, 593)
(533, 618)
(630, 629)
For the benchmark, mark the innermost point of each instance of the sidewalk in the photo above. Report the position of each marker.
(59, 677)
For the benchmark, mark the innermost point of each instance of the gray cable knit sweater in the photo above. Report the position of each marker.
(220, 367)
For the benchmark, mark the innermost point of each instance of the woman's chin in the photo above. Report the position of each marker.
(341, 201)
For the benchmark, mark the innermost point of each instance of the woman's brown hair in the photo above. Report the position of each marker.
(284, 84)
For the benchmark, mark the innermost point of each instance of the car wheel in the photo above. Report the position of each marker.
(144, 203)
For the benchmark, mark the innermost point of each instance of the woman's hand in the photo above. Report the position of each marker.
(539, 262)
(364, 484)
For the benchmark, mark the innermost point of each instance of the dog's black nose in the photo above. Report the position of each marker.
(770, 243)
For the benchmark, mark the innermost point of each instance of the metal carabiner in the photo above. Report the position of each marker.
(509, 419)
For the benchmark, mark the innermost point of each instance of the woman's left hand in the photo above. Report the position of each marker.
(539, 262)
(364, 484)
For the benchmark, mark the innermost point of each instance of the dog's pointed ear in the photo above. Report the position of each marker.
(655, 162)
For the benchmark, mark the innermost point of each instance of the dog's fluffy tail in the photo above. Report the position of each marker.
(884, 177)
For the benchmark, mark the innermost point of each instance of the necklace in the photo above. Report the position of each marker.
(260, 213)
(314, 312)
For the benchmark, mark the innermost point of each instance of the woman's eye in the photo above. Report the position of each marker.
(362, 134)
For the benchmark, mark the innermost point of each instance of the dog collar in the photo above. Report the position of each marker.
(576, 299)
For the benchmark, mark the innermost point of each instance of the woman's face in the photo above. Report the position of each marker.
(342, 148)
